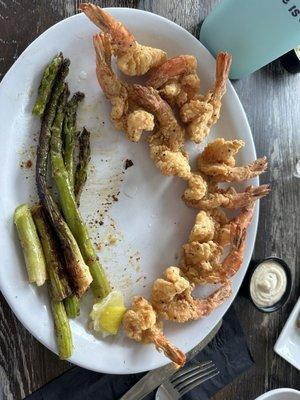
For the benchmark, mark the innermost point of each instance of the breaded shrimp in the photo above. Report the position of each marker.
(114, 89)
(172, 298)
(225, 231)
(204, 111)
(227, 198)
(176, 79)
(214, 271)
(166, 144)
(171, 68)
(132, 58)
(225, 173)
(140, 324)
(197, 254)
(218, 163)
(125, 115)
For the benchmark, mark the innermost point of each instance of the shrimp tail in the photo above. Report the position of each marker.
(247, 198)
(107, 23)
(234, 260)
(208, 305)
(223, 65)
(162, 343)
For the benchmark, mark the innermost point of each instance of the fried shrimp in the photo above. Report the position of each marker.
(125, 115)
(218, 163)
(176, 79)
(214, 271)
(166, 144)
(202, 112)
(200, 254)
(140, 324)
(132, 58)
(172, 68)
(225, 229)
(212, 231)
(172, 298)
(224, 173)
(227, 198)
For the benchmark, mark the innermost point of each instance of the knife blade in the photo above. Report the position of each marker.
(156, 377)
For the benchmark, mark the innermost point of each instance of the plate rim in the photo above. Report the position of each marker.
(75, 359)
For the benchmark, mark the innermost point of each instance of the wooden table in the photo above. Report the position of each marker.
(271, 98)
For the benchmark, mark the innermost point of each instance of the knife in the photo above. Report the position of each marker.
(156, 377)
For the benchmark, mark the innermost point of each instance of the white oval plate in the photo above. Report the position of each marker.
(150, 222)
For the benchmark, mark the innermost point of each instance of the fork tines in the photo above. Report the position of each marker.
(189, 378)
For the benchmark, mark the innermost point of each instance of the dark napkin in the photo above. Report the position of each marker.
(228, 350)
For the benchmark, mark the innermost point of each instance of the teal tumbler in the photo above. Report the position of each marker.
(255, 32)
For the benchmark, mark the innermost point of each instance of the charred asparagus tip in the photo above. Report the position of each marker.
(84, 158)
(69, 133)
(46, 85)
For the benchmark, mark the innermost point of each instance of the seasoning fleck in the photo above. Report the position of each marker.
(128, 163)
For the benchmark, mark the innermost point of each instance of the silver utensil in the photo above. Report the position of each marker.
(156, 377)
(185, 380)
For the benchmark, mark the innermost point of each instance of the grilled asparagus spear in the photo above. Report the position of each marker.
(31, 245)
(69, 134)
(62, 330)
(46, 85)
(84, 158)
(76, 267)
(59, 285)
(100, 284)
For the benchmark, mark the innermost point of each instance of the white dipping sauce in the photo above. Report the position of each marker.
(268, 283)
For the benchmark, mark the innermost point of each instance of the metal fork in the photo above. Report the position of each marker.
(185, 380)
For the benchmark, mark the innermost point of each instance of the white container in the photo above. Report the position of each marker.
(280, 394)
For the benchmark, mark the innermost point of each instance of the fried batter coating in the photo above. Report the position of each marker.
(132, 58)
(199, 254)
(137, 122)
(196, 190)
(222, 151)
(140, 324)
(204, 228)
(172, 298)
(201, 112)
(170, 163)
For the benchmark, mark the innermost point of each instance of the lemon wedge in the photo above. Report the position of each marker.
(108, 313)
